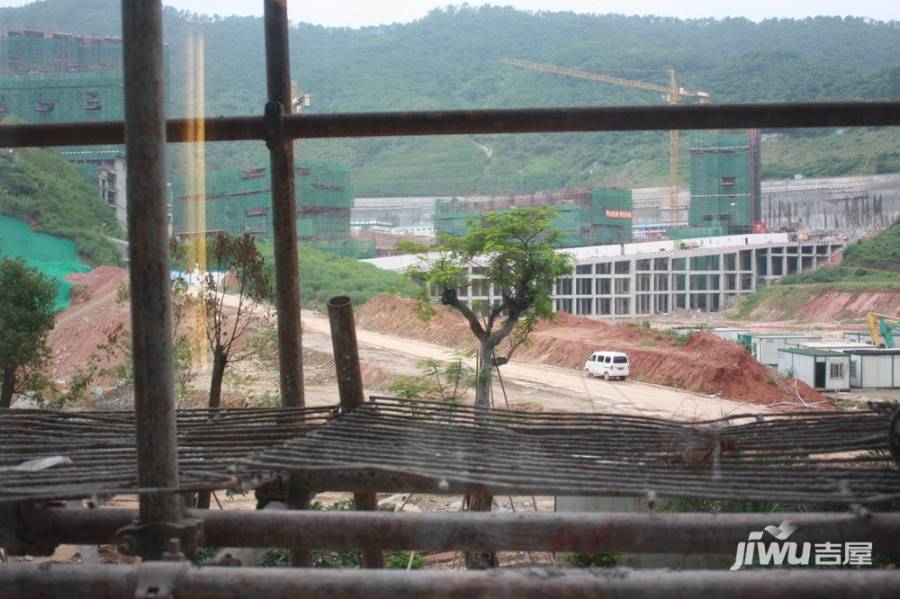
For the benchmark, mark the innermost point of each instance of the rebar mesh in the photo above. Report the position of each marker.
(95, 451)
(801, 457)
(834, 457)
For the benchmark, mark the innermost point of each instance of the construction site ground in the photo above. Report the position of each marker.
(699, 377)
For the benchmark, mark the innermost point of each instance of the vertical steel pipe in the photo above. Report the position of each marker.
(284, 204)
(148, 231)
(284, 228)
(346, 352)
(350, 388)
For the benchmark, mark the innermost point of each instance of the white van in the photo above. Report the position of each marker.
(608, 364)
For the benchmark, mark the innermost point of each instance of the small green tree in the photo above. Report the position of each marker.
(437, 382)
(26, 318)
(514, 252)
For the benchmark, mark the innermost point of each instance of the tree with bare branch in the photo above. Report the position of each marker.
(230, 294)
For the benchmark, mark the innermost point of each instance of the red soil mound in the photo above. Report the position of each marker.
(704, 363)
(93, 315)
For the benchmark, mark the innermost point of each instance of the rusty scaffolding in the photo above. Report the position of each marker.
(163, 529)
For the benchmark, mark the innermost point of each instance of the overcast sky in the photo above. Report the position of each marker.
(358, 13)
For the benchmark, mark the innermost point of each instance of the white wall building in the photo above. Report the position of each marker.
(818, 368)
(641, 279)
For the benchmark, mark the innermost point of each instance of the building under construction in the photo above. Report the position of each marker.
(725, 184)
(61, 77)
(587, 215)
(238, 201)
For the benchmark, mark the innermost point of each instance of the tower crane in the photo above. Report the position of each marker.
(673, 95)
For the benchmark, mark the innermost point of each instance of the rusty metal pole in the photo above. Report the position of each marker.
(38, 581)
(350, 389)
(284, 227)
(284, 204)
(148, 230)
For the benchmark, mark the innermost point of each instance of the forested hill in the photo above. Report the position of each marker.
(451, 59)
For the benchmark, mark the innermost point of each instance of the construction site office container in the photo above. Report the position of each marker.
(858, 336)
(818, 368)
(729, 334)
(842, 346)
(765, 347)
(874, 368)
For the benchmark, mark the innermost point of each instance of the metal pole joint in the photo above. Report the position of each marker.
(273, 124)
(167, 539)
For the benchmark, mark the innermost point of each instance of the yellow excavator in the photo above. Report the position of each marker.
(885, 330)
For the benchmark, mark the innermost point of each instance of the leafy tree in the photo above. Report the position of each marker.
(26, 318)
(513, 251)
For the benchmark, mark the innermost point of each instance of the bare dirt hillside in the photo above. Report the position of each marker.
(826, 305)
(99, 310)
(703, 364)
(94, 315)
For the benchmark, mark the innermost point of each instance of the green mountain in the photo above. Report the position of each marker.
(451, 59)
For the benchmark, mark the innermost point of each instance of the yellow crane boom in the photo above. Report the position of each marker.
(673, 94)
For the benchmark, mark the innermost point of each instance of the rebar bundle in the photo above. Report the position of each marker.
(801, 457)
(47, 455)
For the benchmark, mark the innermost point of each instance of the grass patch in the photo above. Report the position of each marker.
(847, 276)
(324, 276)
(880, 251)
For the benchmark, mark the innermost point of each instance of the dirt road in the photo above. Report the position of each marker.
(556, 389)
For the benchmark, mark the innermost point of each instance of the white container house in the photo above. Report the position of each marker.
(874, 368)
(764, 347)
(819, 368)
(728, 334)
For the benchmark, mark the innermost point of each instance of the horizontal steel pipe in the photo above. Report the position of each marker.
(585, 119)
(466, 122)
(118, 582)
(445, 531)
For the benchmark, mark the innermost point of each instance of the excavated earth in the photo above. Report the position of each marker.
(703, 364)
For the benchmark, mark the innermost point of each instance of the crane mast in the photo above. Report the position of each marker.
(672, 93)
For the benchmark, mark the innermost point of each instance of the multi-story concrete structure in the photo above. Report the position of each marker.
(641, 279)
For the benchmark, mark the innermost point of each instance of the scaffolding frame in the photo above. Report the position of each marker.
(162, 526)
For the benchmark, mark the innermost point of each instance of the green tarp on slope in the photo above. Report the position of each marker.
(53, 256)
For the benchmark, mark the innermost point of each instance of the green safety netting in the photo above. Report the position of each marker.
(53, 256)
(724, 172)
(605, 218)
(238, 201)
